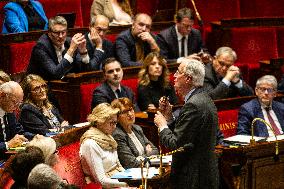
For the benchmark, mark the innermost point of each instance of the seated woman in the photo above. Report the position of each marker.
(117, 11)
(23, 163)
(154, 83)
(37, 114)
(133, 145)
(47, 146)
(98, 149)
(24, 16)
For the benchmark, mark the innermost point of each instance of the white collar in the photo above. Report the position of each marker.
(179, 36)
(2, 112)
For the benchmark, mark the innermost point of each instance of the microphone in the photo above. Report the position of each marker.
(200, 22)
(252, 140)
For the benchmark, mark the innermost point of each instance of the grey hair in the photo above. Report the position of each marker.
(44, 177)
(47, 145)
(196, 70)
(56, 20)
(9, 87)
(95, 18)
(227, 50)
(270, 79)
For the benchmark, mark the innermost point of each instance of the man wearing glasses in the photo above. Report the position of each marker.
(55, 54)
(263, 107)
(98, 47)
(11, 132)
(222, 78)
(180, 40)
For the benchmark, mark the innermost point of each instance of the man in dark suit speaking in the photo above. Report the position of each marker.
(180, 40)
(262, 107)
(194, 128)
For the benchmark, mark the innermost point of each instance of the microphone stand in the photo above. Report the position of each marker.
(252, 140)
(200, 22)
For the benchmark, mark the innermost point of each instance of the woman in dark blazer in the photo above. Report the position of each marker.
(37, 114)
(133, 145)
(154, 83)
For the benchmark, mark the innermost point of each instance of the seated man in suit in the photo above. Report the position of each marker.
(11, 132)
(98, 47)
(134, 44)
(55, 54)
(263, 107)
(111, 88)
(180, 40)
(222, 78)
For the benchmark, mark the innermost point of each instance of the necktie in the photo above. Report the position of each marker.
(182, 54)
(118, 92)
(3, 127)
(272, 123)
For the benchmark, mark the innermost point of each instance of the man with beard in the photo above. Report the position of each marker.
(134, 44)
(111, 88)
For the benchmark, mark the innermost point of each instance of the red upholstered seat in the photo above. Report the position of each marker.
(86, 91)
(261, 8)
(111, 37)
(215, 10)
(280, 41)
(19, 56)
(254, 44)
(86, 8)
(228, 122)
(9, 182)
(53, 7)
(132, 84)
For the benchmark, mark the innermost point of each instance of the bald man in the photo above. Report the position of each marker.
(11, 132)
(134, 44)
(98, 47)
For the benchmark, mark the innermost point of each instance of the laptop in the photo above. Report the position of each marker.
(70, 17)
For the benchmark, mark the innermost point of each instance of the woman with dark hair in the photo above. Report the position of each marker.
(37, 114)
(117, 11)
(154, 82)
(24, 16)
(133, 145)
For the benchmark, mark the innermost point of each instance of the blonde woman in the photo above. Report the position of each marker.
(98, 148)
(38, 115)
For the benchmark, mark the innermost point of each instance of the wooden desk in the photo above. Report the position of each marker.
(253, 167)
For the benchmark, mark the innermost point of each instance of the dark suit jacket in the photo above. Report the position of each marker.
(97, 56)
(12, 127)
(195, 168)
(44, 61)
(104, 93)
(127, 151)
(251, 110)
(168, 42)
(126, 50)
(218, 89)
(34, 121)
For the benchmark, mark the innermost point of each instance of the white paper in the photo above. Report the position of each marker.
(135, 173)
(242, 138)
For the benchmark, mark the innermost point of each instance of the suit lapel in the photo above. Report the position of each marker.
(277, 112)
(175, 42)
(259, 127)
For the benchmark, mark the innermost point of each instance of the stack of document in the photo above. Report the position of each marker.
(241, 139)
(135, 173)
(167, 160)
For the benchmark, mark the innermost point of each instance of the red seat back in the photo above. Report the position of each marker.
(69, 165)
(280, 41)
(86, 8)
(86, 91)
(228, 122)
(132, 83)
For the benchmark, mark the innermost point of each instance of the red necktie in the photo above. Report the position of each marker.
(272, 123)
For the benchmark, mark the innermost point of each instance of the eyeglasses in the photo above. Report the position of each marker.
(99, 30)
(13, 100)
(40, 88)
(268, 90)
(178, 72)
(221, 63)
(56, 152)
(57, 33)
